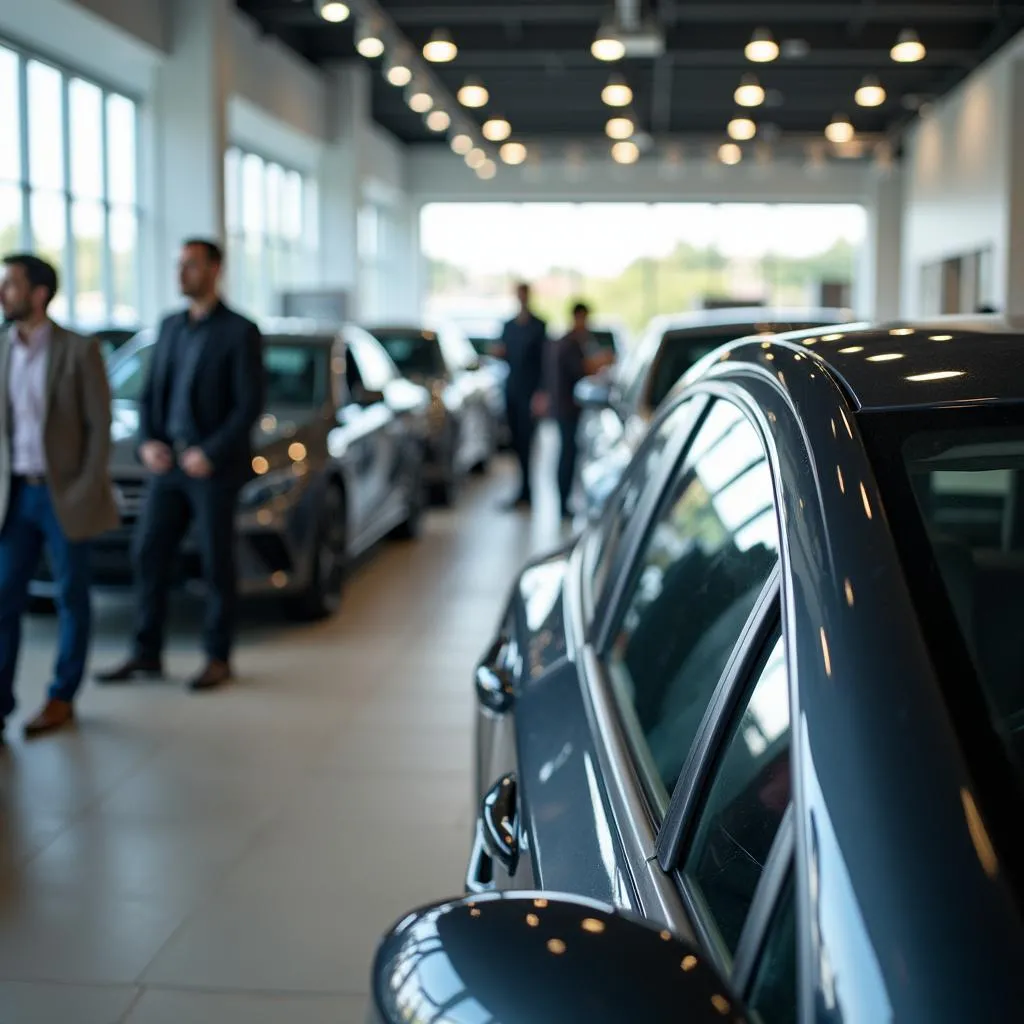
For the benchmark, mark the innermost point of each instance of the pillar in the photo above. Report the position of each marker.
(878, 286)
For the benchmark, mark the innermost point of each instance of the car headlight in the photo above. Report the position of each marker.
(267, 488)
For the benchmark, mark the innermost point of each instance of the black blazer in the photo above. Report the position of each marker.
(227, 389)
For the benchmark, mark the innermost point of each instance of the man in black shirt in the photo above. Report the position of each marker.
(572, 359)
(523, 343)
(202, 397)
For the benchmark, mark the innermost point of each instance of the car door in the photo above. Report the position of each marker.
(469, 381)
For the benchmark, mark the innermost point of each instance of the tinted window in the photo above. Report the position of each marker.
(704, 564)
(773, 997)
(296, 375)
(128, 373)
(750, 791)
(416, 353)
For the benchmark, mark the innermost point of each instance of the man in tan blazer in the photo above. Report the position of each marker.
(55, 486)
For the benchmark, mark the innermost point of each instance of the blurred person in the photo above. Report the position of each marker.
(572, 358)
(55, 489)
(202, 396)
(523, 343)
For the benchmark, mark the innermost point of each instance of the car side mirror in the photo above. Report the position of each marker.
(541, 958)
(365, 397)
(593, 392)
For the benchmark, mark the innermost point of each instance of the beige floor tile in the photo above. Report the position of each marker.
(27, 1003)
(174, 1007)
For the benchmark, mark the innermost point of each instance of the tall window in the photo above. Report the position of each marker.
(271, 221)
(68, 187)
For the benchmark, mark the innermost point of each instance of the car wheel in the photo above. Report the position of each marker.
(409, 528)
(446, 493)
(322, 596)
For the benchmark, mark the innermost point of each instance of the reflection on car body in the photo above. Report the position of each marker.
(337, 465)
(772, 701)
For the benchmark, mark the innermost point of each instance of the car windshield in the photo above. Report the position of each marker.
(416, 353)
(962, 472)
(296, 374)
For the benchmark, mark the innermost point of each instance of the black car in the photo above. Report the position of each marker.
(112, 339)
(338, 464)
(465, 400)
(757, 736)
(618, 406)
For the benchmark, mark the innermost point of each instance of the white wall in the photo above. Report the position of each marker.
(960, 177)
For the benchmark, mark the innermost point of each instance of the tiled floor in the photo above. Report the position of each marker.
(234, 857)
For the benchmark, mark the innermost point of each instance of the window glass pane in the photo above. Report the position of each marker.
(45, 126)
(10, 218)
(773, 999)
(10, 130)
(311, 214)
(292, 216)
(86, 117)
(121, 149)
(124, 256)
(232, 198)
(275, 199)
(128, 374)
(699, 576)
(49, 238)
(253, 201)
(368, 230)
(87, 228)
(748, 799)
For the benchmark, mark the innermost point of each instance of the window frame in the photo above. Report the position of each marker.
(68, 193)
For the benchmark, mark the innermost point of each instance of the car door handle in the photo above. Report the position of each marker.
(499, 817)
(494, 679)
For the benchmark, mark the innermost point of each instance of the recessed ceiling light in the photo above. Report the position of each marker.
(439, 121)
(749, 92)
(473, 94)
(840, 130)
(497, 129)
(762, 48)
(730, 154)
(871, 92)
(333, 11)
(741, 129)
(908, 49)
(420, 100)
(368, 41)
(487, 170)
(607, 45)
(440, 48)
(461, 143)
(619, 128)
(617, 92)
(625, 152)
(513, 153)
(476, 158)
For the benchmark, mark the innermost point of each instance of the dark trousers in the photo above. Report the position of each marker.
(521, 426)
(567, 459)
(174, 501)
(32, 524)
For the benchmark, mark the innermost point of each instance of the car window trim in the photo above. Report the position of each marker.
(761, 630)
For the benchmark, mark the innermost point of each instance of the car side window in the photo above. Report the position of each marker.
(750, 790)
(705, 561)
(642, 470)
(773, 995)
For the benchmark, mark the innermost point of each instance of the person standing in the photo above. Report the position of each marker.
(572, 359)
(523, 343)
(202, 396)
(55, 489)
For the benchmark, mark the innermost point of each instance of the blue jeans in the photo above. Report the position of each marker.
(31, 523)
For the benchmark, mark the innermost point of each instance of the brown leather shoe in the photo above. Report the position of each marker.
(55, 715)
(133, 668)
(216, 673)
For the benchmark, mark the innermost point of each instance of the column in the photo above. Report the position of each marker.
(878, 286)
(1014, 305)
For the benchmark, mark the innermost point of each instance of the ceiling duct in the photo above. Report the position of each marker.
(641, 37)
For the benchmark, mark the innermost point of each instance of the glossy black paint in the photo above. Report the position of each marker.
(538, 958)
(500, 817)
(494, 682)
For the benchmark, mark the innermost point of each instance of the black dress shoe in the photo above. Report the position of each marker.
(133, 668)
(216, 673)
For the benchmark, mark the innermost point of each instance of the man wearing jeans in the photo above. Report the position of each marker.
(55, 489)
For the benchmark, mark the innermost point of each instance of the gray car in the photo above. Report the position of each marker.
(618, 405)
(338, 464)
(465, 398)
(766, 716)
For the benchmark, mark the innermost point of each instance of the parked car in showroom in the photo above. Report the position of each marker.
(767, 712)
(618, 406)
(463, 422)
(112, 339)
(338, 464)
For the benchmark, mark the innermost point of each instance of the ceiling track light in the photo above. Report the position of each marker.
(750, 92)
(908, 49)
(840, 131)
(513, 153)
(487, 170)
(871, 92)
(439, 120)
(762, 48)
(473, 94)
(620, 128)
(461, 143)
(625, 152)
(440, 48)
(333, 11)
(397, 71)
(730, 154)
(476, 158)
(608, 45)
(496, 129)
(369, 43)
(419, 99)
(617, 92)
(742, 129)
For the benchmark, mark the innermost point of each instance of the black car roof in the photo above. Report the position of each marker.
(946, 361)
